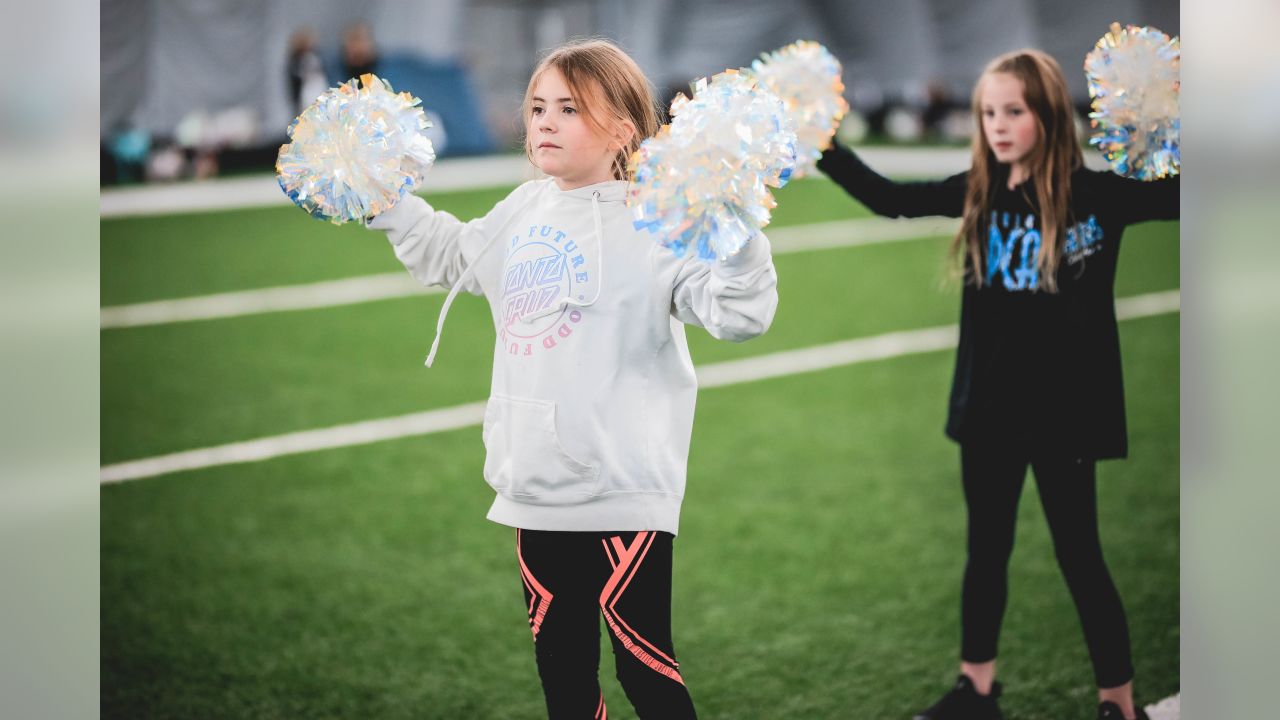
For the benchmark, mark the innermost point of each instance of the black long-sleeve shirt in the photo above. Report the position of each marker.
(1034, 368)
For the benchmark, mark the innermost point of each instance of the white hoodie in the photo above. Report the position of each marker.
(591, 406)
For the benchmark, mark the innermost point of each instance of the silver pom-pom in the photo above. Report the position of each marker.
(807, 78)
(356, 151)
(701, 184)
(1134, 81)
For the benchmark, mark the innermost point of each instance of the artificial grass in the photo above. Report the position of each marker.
(172, 256)
(817, 570)
(818, 566)
(179, 386)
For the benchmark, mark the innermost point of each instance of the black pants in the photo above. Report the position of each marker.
(1068, 492)
(570, 580)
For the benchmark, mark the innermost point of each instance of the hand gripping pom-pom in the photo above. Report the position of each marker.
(807, 78)
(355, 151)
(1134, 82)
(701, 184)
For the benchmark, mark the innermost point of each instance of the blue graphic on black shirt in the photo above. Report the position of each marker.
(1083, 240)
(1013, 248)
(1006, 235)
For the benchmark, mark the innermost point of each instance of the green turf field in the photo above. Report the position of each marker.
(818, 566)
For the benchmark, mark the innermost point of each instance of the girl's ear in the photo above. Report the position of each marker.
(623, 131)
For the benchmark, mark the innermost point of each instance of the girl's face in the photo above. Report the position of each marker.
(566, 146)
(1008, 124)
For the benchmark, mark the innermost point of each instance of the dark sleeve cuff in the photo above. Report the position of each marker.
(831, 157)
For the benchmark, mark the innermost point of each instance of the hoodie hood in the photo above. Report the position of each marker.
(610, 191)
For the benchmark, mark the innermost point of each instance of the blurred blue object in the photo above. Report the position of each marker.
(131, 146)
(446, 94)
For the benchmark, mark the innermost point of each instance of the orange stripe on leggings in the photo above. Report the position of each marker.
(630, 559)
(538, 593)
(618, 595)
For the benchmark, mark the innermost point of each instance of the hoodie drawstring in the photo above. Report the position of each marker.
(453, 293)
(568, 300)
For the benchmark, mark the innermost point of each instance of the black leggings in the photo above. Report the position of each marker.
(992, 485)
(570, 580)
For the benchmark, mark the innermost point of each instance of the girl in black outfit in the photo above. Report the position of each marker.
(1037, 378)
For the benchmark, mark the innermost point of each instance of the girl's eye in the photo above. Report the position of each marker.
(1015, 111)
(537, 110)
(569, 111)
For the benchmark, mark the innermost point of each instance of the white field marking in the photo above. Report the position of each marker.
(862, 231)
(879, 347)
(264, 190)
(366, 288)
(451, 174)
(447, 175)
(820, 357)
(360, 433)
(1158, 303)
(307, 296)
(1169, 708)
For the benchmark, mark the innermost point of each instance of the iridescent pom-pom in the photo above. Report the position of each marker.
(702, 182)
(356, 151)
(806, 77)
(1134, 81)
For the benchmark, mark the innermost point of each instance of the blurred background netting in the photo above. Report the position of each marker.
(200, 89)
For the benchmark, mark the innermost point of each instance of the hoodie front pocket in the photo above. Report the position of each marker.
(524, 458)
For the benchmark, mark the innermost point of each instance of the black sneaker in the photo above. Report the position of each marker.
(1111, 711)
(963, 702)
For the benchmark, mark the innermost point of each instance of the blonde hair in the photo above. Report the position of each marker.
(610, 89)
(1050, 163)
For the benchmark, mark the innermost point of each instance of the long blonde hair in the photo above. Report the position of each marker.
(1055, 156)
(610, 89)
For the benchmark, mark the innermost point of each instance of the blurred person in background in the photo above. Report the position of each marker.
(128, 146)
(359, 52)
(938, 108)
(307, 79)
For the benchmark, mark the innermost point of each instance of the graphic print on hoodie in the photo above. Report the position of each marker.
(543, 266)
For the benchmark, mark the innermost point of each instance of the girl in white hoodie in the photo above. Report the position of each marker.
(590, 411)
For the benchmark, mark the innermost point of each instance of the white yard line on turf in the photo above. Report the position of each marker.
(264, 191)
(449, 174)
(1169, 708)
(454, 174)
(365, 288)
(307, 296)
(789, 362)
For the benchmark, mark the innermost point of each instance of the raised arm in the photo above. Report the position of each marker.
(1138, 201)
(434, 246)
(735, 299)
(888, 198)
